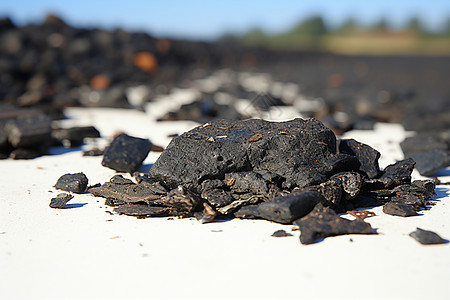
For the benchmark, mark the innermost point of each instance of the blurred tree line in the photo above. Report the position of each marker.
(314, 34)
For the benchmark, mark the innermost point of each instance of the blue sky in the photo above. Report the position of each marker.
(207, 19)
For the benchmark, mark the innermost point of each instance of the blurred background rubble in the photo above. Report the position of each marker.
(349, 64)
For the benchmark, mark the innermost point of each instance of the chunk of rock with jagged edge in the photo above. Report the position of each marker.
(427, 237)
(322, 222)
(126, 153)
(60, 200)
(367, 156)
(75, 183)
(351, 183)
(142, 210)
(123, 189)
(283, 209)
(182, 201)
(399, 209)
(301, 152)
(429, 162)
(398, 173)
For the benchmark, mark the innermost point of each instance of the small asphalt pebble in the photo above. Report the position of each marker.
(60, 200)
(426, 237)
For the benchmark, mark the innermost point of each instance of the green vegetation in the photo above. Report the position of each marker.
(351, 38)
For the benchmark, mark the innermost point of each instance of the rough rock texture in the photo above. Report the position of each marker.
(126, 153)
(323, 222)
(283, 209)
(365, 154)
(60, 200)
(301, 152)
(431, 161)
(398, 173)
(275, 171)
(426, 237)
(75, 183)
(399, 209)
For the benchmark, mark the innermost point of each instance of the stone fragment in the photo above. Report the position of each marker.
(217, 197)
(322, 222)
(246, 182)
(74, 136)
(426, 237)
(202, 111)
(207, 215)
(126, 153)
(181, 200)
(283, 209)
(332, 192)
(305, 155)
(119, 188)
(422, 143)
(398, 173)
(60, 200)
(351, 183)
(75, 183)
(429, 162)
(94, 152)
(141, 210)
(399, 209)
(281, 233)
(367, 156)
(26, 153)
(29, 131)
(412, 194)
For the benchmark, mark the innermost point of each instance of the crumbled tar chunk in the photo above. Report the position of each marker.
(140, 210)
(60, 200)
(281, 233)
(426, 237)
(367, 156)
(398, 173)
(283, 209)
(399, 209)
(323, 222)
(75, 183)
(126, 153)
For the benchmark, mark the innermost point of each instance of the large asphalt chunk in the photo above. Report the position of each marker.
(126, 153)
(367, 156)
(301, 152)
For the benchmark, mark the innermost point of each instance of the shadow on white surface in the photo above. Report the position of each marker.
(145, 168)
(63, 150)
(74, 205)
(441, 193)
(443, 172)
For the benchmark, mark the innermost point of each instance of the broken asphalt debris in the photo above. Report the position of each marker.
(247, 169)
(75, 183)
(281, 233)
(60, 200)
(126, 153)
(426, 237)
